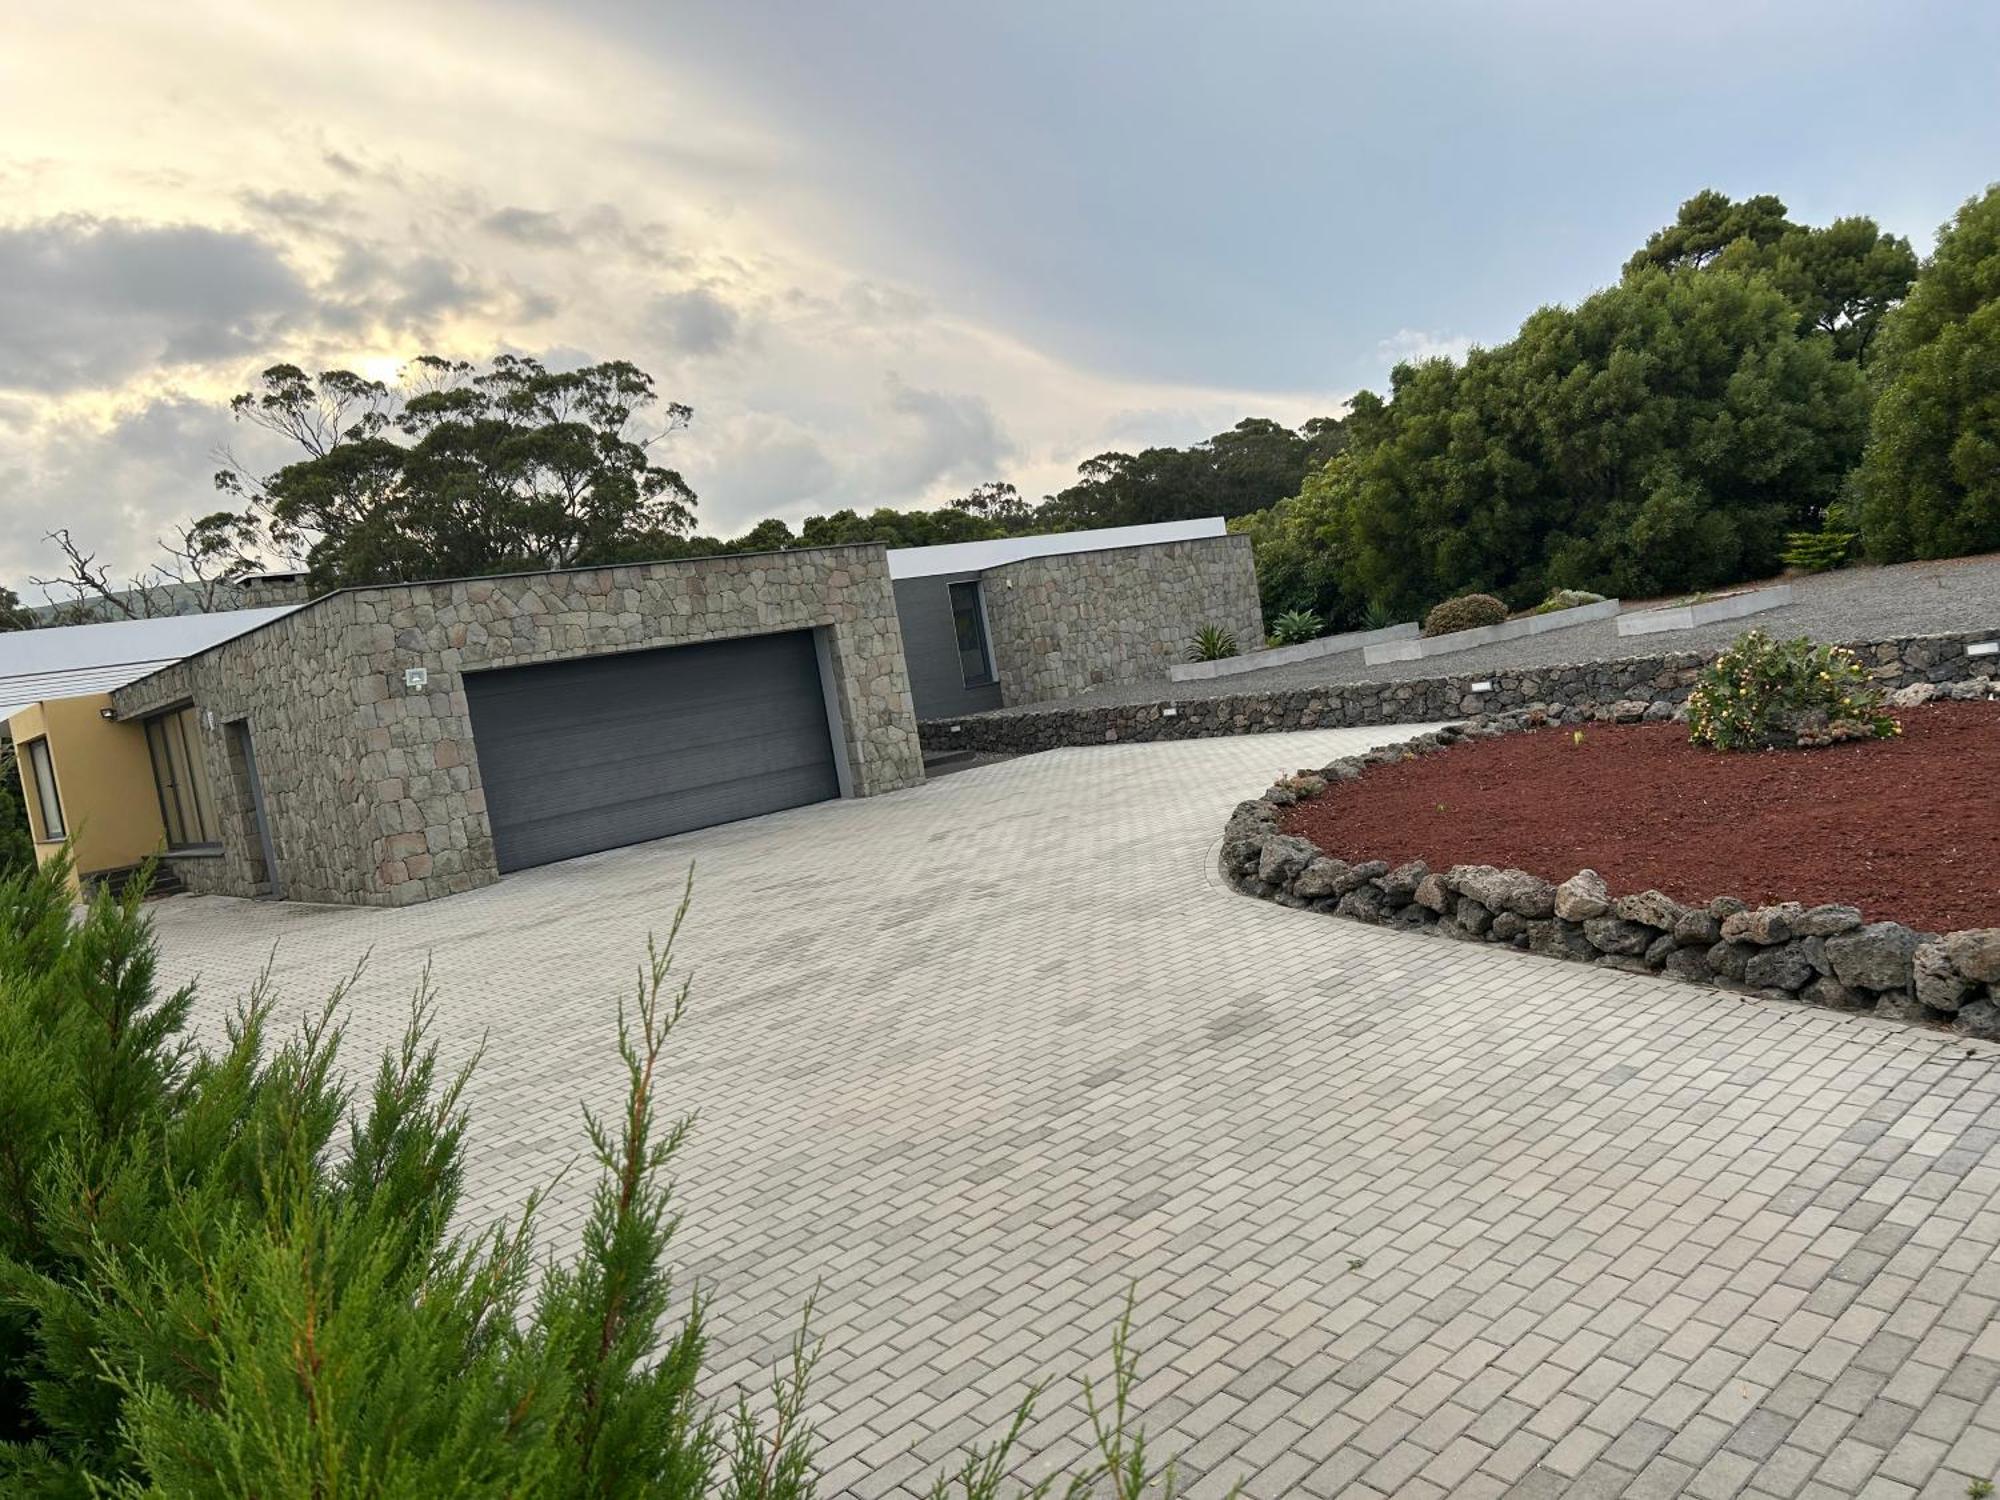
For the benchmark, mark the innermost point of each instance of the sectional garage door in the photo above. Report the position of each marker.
(600, 751)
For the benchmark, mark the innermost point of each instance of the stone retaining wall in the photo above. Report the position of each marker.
(1823, 955)
(1892, 663)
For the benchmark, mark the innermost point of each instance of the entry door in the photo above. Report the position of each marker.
(599, 751)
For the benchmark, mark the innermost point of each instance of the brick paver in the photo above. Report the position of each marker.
(1405, 1217)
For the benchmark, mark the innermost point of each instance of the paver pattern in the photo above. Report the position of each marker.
(1404, 1217)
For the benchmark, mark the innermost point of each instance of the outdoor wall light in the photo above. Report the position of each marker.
(107, 713)
(1983, 648)
(1482, 687)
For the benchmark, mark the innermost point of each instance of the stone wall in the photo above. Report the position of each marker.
(1824, 955)
(373, 788)
(1671, 675)
(1070, 622)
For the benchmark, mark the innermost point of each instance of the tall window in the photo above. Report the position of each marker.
(186, 804)
(47, 802)
(975, 662)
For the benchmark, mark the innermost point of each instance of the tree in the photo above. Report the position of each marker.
(1253, 465)
(200, 572)
(467, 471)
(896, 528)
(1930, 483)
(999, 503)
(17, 840)
(13, 614)
(1843, 278)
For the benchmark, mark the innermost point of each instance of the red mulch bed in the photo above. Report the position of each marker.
(1906, 829)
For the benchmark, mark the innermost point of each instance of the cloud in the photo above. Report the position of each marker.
(1414, 345)
(529, 226)
(88, 302)
(695, 321)
(949, 437)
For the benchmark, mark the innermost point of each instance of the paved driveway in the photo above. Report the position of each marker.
(1405, 1217)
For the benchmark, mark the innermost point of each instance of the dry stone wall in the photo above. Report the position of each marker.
(1824, 955)
(1065, 624)
(373, 786)
(1667, 678)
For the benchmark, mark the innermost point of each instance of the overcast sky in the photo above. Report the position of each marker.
(886, 250)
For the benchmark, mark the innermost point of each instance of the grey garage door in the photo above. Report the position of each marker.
(600, 751)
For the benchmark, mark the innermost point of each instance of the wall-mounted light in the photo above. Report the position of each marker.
(1170, 712)
(416, 678)
(1482, 687)
(107, 713)
(1983, 648)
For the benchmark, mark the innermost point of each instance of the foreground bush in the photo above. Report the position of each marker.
(1212, 643)
(208, 1286)
(1468, 612)
(1296, 626)
(1763, 694)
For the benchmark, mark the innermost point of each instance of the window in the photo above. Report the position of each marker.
(186, 806)
(968, 618)
(47, 802)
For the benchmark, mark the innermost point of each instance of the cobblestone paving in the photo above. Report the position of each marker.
(1405, 1217)
(1856, 604)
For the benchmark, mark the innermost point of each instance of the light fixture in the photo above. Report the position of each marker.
(1983, 648)
(1483, 687)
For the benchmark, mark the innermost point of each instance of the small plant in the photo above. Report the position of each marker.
(1817, 551)
(1377, 616)
(1467, 612)
(1763, 694)
(1577, 738)
(1295, 626)
(1566, 599)
(1979, 1489)
(1211, 643)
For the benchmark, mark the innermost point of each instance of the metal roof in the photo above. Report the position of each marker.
(71, 661)
(977, 557)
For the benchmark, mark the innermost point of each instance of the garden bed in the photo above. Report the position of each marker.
(1905, 829)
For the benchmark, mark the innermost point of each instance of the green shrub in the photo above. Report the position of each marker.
(1763, 694)
(1817, 551)
(1566, 599)
(235, 1274)
(1211, 643)
(1377, 616)
(1296, 625)
(1467, 612)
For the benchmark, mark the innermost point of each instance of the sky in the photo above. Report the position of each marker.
(885, 249)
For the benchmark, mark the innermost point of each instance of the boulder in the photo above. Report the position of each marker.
(1814, 948)
(1412, 917)
(1875, 957)
(1724, 907)
(1280, 796)
(1825, 921)
(1979, 1018)
(1433, 893)
(1659, 711)
(1900, 1005)
(1939, 984)
(1509, 890)
(1582, 896)
(1767, 925)
(1784, 967)
(1359, 875)
(1507, 926)
(1657, 951)
(1690, 964)
(1282, 857)
(1697, 929)
(1628, 710)
(1400, 884)
(1727, 960)
(1555, 938)
(1975, 953)
(1342, 770)
(1363, 903)
(1319, 878)
(1650, 907)
(1830, 992)
(1617, 936)
(1914, 696)
(1623, 961)
(1472, 916)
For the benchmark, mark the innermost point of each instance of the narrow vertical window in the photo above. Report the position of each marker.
(47, 801)
(968, 618)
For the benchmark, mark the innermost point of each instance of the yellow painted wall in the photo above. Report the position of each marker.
(104, 778)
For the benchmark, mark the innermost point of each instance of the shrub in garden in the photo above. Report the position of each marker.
(1296, 625)
(1467, 612)
(1764, 694)
(1566, 599)
(1211, 643)
(1817, 551)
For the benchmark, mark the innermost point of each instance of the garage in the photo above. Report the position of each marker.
(599, 751)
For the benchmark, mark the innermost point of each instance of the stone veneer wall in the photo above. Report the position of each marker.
(1073, 621)
(1892, 663)
(373, 789)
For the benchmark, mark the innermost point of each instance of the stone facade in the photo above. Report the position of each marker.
(1823, 955)
(1069, 622)
(372, 789)
(1900, 662)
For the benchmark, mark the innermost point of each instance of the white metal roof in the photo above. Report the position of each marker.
(69, 661)
(977, 557)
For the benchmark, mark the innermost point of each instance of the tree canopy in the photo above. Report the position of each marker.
(1930, 484)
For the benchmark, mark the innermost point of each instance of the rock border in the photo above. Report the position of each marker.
(1823, 955)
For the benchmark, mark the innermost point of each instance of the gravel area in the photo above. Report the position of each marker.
(1856, 604)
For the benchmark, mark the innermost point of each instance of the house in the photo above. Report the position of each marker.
(390, 744)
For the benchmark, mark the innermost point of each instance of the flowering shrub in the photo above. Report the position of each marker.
(1761, 694)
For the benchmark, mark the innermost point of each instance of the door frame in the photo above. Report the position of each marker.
(240, 728)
